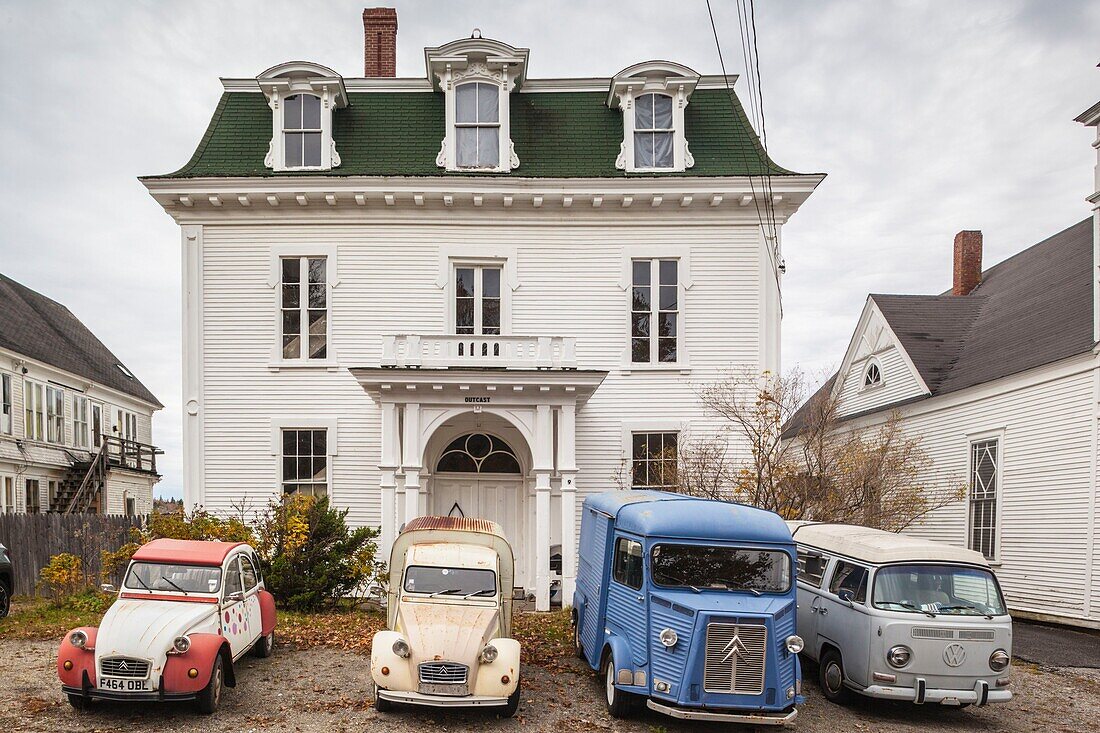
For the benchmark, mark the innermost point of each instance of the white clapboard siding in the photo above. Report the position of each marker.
(1045, 426)
(568, 285)
(898, 384)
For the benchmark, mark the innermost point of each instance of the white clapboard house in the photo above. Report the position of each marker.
(75, 424)
(472, 292)
(1000, 379)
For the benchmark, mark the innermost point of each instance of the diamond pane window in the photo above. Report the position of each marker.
(984, 484)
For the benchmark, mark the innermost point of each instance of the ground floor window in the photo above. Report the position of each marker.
(305, 461)
(984, 483)
(33, 499)
(7, 495)
(131, 506)
(654, 459)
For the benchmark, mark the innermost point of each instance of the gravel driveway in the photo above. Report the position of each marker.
(329, 690)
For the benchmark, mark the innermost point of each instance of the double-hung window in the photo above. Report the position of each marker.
(5, 404)
(477, 301)
(55, 415)
(654, 311)
(304, 307)
(305, 461)
(302, 131)
(653, 132)
(477, 125)
(34, 410)
(7, 494)
(33, 498)
(80, 421)
(984, 483)
(654, 460)
(126, 425)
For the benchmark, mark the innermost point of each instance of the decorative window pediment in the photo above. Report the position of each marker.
(652, 96)
(477, 76)
(302, 97)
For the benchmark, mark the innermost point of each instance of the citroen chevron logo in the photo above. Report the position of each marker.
(954, 655)
(734, 647)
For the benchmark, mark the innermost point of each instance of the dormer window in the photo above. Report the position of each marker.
(872, 375)
(652, 97)
(302, 97)
(477, 125)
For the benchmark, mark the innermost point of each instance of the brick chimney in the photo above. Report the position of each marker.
(380, 42)
(968, 262)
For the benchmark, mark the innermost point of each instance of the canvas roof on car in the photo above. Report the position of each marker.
(185, 552)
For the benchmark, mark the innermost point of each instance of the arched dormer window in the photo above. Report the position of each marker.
(653, 131)
(872, 374)
(302, 131)
(302, 97)
(478, 453)
(477, 125)
(652, 96)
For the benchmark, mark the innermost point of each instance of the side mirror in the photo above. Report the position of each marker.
(847, 596)
(107, 588)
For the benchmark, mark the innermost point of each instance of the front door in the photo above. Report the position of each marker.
(486, 496)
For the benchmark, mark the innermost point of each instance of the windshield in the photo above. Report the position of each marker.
(174, 578)
(727, 568)
(450, 581)
(947, 589)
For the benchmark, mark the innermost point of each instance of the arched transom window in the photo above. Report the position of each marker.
(478, 453)
(872, 375)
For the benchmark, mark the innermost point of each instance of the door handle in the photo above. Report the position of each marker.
(823, 611)
(640, 599)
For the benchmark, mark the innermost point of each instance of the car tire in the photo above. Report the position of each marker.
(830, 677)
(5, 599)
(578, 645)
(79, 702)
(619, 703)
(509, 710)
(264, 646)
(211, 695)
(383, 705)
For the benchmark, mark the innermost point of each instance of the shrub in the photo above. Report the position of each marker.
(310, 558)
(198, 525)
(63, 576)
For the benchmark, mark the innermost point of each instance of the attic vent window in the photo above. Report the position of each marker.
(872, 375)
(126, 372)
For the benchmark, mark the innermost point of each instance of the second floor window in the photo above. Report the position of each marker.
(305, 462)
(55, 415)
(653, 131)
(477, 125)
(984, 481)
(477, 300)
(126, 425)
(654, 458)
(302, 131)
(34, 410)
(654, 311)
(304, 307)
(5, 404)
(80, 421)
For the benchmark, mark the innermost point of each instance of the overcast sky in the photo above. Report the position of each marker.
(929, 117)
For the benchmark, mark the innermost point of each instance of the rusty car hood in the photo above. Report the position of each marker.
(447, 631)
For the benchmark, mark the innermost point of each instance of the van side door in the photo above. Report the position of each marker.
(843, 617)
(626, 601)
(811, 572)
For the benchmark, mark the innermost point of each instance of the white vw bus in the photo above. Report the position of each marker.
(901, 618)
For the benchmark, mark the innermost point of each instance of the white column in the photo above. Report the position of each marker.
(567, 468)
(388, 467)
(194, 483)
(544, 464)
(411, 461)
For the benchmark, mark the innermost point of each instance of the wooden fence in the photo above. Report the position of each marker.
(32, 539)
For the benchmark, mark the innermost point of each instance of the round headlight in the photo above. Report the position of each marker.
(489, 654)
(795, 644)
(181, 644)
(998, 660)
(899, 656)
(78, 639)
(668, 637)
(401, 648)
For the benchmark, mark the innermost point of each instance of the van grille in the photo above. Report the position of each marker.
(443, 673)
(125, 667)
(735, 655)
(977, 635)
(927, 632)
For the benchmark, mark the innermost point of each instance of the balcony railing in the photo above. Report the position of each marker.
(502, 352)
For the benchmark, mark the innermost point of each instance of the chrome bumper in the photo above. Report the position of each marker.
(707, 715)
(981, 694)
(440, 701)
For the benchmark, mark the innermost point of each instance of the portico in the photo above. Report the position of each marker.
(495, 441)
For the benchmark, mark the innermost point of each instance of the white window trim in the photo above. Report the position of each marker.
(863, 386)
(28, 428)
(627, 90)
(6, 378)
(286, 80)
(626, 282)
(5, 508)
(505, 290)
(501, 75)
(274, 280)
(82, 438)
(52, 388)
(998, 435)
(303, 422)
(654, 425)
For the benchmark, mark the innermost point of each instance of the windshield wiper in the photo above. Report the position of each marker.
(482, 592)
(143, 583)
(730, 585)
(910, 606)
(444, 592)
(963, 607)
(169, 582)
(679, 580)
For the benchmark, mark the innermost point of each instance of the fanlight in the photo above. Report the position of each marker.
(478, 453)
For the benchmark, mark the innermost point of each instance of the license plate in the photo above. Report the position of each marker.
(122, 685)
(447, 690)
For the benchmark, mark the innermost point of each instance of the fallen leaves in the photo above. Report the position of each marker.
(347, 630)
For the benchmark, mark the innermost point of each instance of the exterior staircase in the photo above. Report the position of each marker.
(82, 488)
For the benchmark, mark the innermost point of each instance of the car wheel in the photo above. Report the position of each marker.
(5, 599)
(79, 702)
(383, 705)
(211, 695)
(510, 709)
(830, 676)
(618, 702)
(264, 646)
(578, 645)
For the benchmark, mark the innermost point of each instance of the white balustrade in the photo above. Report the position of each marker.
(503, 352)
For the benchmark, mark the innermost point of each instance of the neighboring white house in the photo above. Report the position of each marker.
(75, 423)
(1000, 378)
(472, 292)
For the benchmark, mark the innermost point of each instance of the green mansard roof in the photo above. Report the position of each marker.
(556, 135)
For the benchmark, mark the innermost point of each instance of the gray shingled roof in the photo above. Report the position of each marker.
(1032, 309)
(34, 326)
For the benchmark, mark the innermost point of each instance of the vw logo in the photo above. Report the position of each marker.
(954, 655)
(734, 647)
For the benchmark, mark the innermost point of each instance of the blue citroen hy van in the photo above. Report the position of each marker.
(688, 604)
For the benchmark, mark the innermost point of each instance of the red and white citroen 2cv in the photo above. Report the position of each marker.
(186, 612)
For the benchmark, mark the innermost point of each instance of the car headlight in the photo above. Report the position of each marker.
(899, 656)
(78, 639)
(401, 648)
(999, 660)
(181, 644)
(795, 644)
(489, 654)
(668, 637)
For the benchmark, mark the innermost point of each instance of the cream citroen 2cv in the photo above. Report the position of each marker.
(448, 639)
